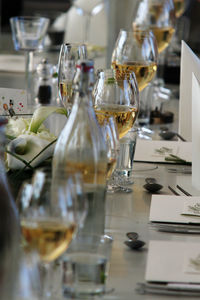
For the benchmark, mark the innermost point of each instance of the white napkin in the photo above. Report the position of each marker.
(190, 63)
(158, 150)
(34, 145)
(167, 261)
(195, 132)
(170, 208)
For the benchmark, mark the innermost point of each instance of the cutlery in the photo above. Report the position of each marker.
(181, 170)
(181, 289)
(173, 191)
(177, 228)
(180, 189)
(183, 191)
(151, 185)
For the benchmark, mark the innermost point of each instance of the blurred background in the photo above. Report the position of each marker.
(70, 20)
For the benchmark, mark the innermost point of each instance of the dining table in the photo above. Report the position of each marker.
(129, 212)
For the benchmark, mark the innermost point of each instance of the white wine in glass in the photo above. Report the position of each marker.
(117, 97)
(135, 51)
(159, 17)
(124, 116)
(179, 6)
(50, 238)
(48, 214)
(70, 53)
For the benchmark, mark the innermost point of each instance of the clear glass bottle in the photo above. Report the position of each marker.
(9, 229)
(81, 148)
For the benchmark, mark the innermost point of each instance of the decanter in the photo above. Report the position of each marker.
(81, 148)
(9, 229)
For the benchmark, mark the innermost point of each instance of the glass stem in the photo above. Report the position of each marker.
(87, 28)
(29, 72)
(51, 280)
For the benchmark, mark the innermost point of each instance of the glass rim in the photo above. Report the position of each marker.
(116, 79)
(28, 18)
(144, 31)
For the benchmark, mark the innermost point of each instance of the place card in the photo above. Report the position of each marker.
(12, 102)
(170, 208)
(190, 63)
(161, 151)
(12, 63)
(168, 261)
(191, 207)
(192, 261)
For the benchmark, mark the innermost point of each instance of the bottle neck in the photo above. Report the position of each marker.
(84, 79)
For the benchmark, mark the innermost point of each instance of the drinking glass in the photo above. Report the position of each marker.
(28, 35)
(159, 17)
(180, 6)
(50, 215)
(92, 9)
(70, 53)
(86, 266)
(110, 133)
(118, 97)
(135, 51)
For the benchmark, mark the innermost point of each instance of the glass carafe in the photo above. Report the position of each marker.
(9, 229)
(81, 148)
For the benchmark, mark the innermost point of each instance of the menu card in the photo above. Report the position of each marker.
(190, 63)
(161, 151)
(195, 132)
(170, 261)
(13, 102)
(175, 209)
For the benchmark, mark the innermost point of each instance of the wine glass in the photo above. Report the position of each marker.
(159, 17)
(180, 7)
(117, 97)
(135, 51)
(88, 10)
(50, 215)
(69, 54)
(111, 137)
(28, 35)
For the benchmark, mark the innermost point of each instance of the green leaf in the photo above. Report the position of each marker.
(42, 113)
(110, 80)
(10, 137)
(19, 158)
(176, 159)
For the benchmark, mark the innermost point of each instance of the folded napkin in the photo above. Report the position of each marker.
(173, 261)
(27, 146)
